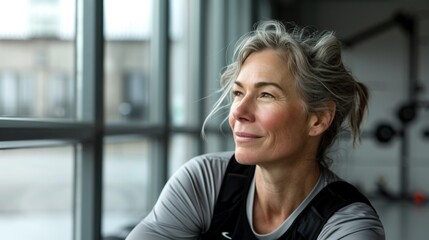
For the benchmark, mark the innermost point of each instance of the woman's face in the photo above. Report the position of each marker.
(267, 115)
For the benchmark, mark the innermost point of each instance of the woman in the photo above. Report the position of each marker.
(291, 95)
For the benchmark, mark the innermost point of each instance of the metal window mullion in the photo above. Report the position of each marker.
(89, 154)
(23, 130)
(198, 64)
(215, 45)
(160, 112)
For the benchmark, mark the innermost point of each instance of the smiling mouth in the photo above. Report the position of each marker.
(245, 137)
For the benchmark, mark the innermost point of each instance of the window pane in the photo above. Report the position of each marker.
(182, 148)
(127, 84)
(128, 178)
(184, 86)
(37, 61)
(36, 189)
(219, 142)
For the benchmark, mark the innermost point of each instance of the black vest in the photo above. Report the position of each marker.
(230, 220)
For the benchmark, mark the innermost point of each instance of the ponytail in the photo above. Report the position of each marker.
(358, 110)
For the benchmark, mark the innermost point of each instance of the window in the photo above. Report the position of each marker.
(127, 178)
(183, 45)
(37, 81)
(37, 60)
(100, 102)
(182, 148)
(131, 109)
(127, 60)
(37, 193)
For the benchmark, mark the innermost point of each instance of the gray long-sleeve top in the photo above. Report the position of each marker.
(185, 207)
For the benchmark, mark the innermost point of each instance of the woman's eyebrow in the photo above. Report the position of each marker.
(261, 84)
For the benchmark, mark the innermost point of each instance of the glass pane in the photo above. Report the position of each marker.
(182, 148)
(128, 178)
(217, 48)
(36, 193)
(184, 86)
(37, 61)
(127, 84)
(219, 142)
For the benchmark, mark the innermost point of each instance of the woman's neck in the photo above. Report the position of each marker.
(279, 191)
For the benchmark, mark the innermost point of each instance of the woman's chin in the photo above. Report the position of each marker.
(245, 157)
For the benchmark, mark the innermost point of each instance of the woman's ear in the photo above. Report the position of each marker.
(320, 121)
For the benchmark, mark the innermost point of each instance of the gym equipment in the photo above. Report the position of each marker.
(407, 112)
(384, 132)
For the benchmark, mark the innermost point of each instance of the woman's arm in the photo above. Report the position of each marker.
(353, 222)
(184, 208)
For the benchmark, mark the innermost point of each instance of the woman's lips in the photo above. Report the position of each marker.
(245, 137)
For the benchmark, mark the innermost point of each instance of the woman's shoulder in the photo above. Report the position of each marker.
(210, 163)
(355, 221)
(216, 158)
(204, 171)
(187, 199)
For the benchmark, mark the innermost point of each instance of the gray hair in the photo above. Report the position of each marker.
(315, 62)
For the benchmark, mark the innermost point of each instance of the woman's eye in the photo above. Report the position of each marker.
(237, 93)
(266, 95)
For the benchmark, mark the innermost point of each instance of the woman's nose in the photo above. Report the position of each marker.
(243, 110)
